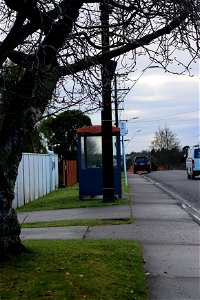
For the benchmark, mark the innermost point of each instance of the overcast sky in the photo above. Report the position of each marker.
(159, 99)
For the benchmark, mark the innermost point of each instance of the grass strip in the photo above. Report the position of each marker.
(125, 187)
(75, 269)
(65, 223)
(66, 198)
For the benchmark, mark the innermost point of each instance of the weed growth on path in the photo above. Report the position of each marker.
(65, 223)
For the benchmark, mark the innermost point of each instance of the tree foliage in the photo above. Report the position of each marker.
(58, 46)
(60, 132)
(165, 139)
(165, 149)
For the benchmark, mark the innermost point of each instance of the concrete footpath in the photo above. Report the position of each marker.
(169, 236)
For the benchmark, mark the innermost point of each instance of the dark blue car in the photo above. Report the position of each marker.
(141, 163)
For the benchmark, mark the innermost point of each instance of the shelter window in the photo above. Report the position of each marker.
(91, 152)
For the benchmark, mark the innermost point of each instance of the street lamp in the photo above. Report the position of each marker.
(123, 131)
(122, 124)
(133, 137)
(129, 119)
(124, 156)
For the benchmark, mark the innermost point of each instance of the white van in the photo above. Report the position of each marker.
(193, 162)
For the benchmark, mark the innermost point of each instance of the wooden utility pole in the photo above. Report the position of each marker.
(108, 69)
(116, 101)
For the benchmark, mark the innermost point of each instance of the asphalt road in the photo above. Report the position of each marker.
(177, 182)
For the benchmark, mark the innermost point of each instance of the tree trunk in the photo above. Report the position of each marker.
(10, 157)
(25, 110)
(10, 230)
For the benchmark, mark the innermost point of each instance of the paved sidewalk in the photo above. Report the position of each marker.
(168, 234)
(117, 212)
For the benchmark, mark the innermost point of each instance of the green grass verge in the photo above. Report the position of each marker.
(75, 269)
(66, 198)
(125, 187)
(76, 223)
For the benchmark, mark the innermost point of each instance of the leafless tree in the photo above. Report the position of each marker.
(57, 43)
(165, 139)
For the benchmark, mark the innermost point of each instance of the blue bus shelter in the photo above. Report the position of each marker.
(90, 161)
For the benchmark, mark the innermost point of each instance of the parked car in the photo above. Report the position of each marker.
(141, 163)
(193, 162)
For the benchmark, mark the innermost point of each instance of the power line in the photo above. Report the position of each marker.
(167, 117)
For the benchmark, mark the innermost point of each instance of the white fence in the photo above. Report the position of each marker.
(37, 176)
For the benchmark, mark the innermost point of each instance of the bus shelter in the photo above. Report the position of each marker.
(90, 161)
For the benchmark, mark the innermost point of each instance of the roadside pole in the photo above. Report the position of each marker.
(108, 69)
(122, 126)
